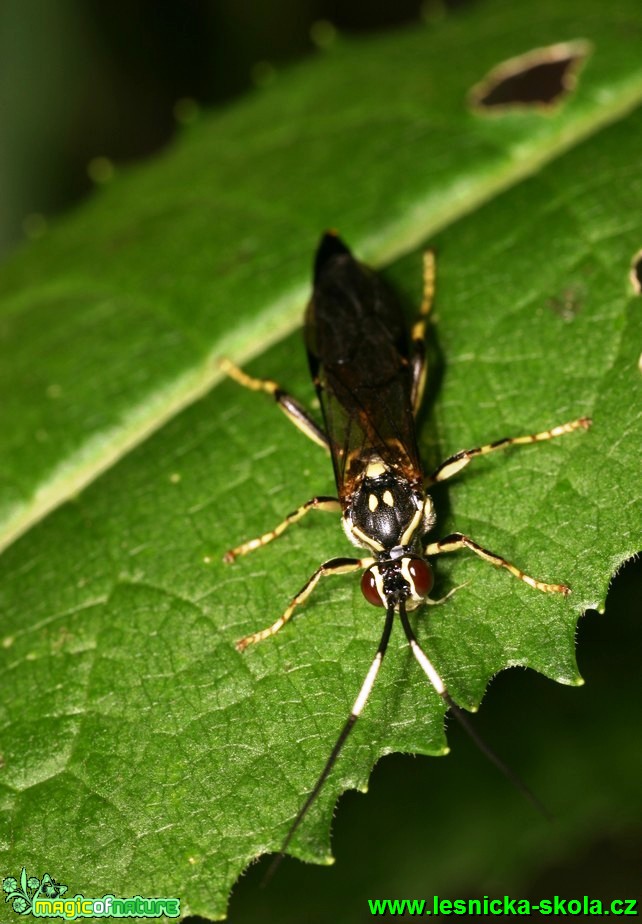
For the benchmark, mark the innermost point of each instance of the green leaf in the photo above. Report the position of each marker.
(142, 753)
(374, 136)
(453, 828)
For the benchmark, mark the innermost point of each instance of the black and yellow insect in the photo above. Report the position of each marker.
(370, 373)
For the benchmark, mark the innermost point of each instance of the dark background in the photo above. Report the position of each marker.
(82, 80)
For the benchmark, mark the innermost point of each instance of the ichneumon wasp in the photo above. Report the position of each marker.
(370, 374)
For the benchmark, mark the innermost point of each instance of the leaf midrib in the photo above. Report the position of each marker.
(430, 215)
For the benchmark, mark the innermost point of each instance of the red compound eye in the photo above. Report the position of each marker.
(369, 588)
(421, 574)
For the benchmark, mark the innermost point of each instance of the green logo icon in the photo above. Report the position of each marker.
(43, 898)
(23, 894)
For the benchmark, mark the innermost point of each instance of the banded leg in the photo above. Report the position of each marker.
(460, 460)
(289, 405)
(418, 334)
(334, 566)
(328, 504)
(458, 541)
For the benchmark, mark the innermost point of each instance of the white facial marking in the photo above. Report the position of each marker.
(379, 582)
(405, 561)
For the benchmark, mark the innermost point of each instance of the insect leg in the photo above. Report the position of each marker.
(357, 708)
(458, 541)
(334, 566)
(329, 504)
(289, 405)
(460, 460)
(418, 334)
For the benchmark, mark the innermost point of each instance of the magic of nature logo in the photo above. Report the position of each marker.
(46, 898)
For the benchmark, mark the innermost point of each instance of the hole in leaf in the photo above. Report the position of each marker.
(636, 273)
(540, 78)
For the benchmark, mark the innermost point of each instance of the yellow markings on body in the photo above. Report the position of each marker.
(388, 498)
(368, 541)
(412, 526)
(373, 502)
(376, 468)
